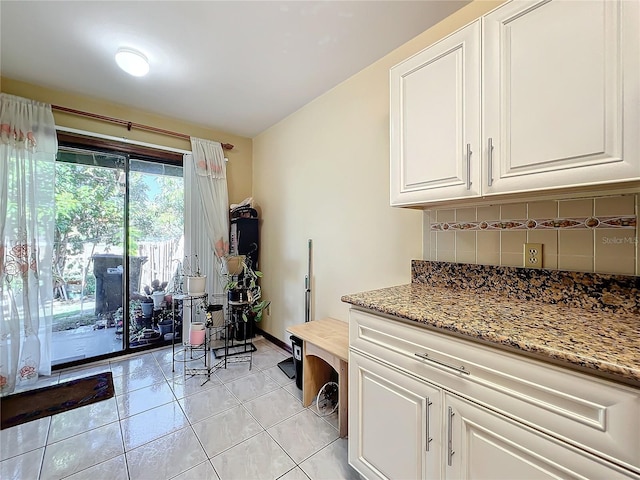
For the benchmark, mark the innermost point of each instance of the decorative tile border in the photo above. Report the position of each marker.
(624, 222)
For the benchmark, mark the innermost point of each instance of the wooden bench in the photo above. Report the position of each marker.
(325, 348)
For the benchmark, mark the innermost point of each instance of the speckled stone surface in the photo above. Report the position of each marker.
(591, 291)
(596, 341)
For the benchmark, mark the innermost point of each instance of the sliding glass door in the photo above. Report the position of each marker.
(156, 246)
(88, 254)
(118, 240)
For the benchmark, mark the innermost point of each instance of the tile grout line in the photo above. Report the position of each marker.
(171, 384)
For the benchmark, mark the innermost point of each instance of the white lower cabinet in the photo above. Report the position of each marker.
(427, 405)
(396, 433)
(481, 444)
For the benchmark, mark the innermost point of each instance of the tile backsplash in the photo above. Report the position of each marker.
(595, 234)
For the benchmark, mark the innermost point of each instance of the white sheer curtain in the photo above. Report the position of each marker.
(210, 173)
(28, 146)
(207, 212)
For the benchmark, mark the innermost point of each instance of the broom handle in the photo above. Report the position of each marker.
(307, 287)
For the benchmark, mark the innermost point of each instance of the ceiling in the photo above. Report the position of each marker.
(234, 66)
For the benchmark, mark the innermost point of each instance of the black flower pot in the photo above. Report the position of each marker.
(237, 295)
(246, 330)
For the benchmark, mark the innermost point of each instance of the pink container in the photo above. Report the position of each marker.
(196, 334)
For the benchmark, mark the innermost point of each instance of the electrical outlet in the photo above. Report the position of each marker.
(533, 255)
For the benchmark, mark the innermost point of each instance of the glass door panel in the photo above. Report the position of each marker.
(156, 226)
(88, 254)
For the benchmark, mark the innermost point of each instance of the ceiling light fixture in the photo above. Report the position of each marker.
(132, 62)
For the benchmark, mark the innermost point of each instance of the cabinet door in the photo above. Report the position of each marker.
(394, 424)
(481, 444)
(560, 88)
(435, 121)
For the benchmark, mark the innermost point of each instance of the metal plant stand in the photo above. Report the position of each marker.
(235, 350)
(196, 358)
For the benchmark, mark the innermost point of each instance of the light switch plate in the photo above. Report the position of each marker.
(533, 255)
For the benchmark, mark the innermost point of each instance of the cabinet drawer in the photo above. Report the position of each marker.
(594, 414)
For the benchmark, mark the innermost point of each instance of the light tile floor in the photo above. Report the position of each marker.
(242, 424)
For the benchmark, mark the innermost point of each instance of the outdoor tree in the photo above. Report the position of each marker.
(90, 211)
(156, 217)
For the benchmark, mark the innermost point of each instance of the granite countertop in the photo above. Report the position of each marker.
(603, 343)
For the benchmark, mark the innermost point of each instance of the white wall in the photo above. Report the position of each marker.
(323, 174)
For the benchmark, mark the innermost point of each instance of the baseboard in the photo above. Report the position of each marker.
(275, 340)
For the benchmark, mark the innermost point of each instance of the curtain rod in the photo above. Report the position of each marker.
(129, 125)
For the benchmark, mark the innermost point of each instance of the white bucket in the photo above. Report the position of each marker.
(158, 298)
(195, 285)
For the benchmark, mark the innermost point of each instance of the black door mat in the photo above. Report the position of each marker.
(44, 402)
(287, 367)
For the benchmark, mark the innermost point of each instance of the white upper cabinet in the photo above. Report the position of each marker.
(552, 101)
(554, 95)
(435, 121)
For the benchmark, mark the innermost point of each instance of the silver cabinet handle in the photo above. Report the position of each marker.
(490, 161)
(429, 403)
(468, 166)
(450, 450)
(425, 356)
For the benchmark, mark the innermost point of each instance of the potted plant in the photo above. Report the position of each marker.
(165, 322)
(194, 280)
(137, 315)
(236, 267)
(156, 292)
(146, 303)
(243, 290)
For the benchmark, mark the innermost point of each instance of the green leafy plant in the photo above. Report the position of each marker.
(240, 276)
(258, 309)
(156, 286)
